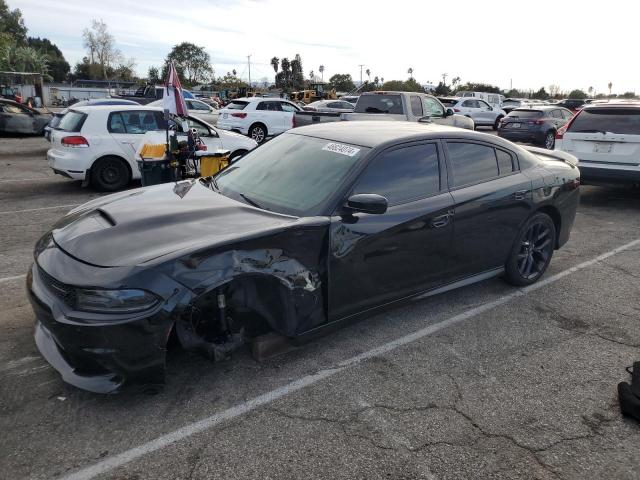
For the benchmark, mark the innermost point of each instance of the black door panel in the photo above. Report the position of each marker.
(379, 258)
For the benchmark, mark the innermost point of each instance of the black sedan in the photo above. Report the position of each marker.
(321, 225)
(18, 118)
(537, 125)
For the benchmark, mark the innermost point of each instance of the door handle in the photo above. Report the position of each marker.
(520, 195)
(442, 220)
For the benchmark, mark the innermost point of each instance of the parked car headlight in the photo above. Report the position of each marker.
(115, 301)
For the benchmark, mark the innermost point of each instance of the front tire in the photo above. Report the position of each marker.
(258, 132)
(110, 174)
(532, 251)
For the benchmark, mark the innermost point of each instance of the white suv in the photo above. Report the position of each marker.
(478, 110)
(258, 117)
(605, 137)
(98, 144)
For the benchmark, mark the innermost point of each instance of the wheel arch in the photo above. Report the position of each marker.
(554, 213)
(113, 155)
(263, 125)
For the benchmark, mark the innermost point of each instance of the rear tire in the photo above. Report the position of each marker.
(110, 174)
(532, 251)
(497, 122)
(550, 140)
(258, 132)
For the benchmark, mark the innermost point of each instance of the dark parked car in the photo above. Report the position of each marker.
(55, 121)
(321, 225)
(537, 125)
(18, 118)
(572, 104)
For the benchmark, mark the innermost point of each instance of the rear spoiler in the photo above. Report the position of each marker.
(556, 155)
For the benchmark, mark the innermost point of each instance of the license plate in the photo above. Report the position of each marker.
(225, 115)
(515, 125)
(602, 147)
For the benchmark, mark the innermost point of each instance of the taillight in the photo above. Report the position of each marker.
(563, 129)
(456, 109)
(538, 122)
(239, 115)
(74, 141)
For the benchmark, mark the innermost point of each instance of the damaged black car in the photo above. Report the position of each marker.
(321, 225)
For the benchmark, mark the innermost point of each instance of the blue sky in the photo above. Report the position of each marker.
(534, 43)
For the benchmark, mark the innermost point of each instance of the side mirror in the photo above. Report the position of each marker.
(448, 112)
(491, 109)
(425, 119)
(367, 203)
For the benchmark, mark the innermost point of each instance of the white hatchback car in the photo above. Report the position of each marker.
(478, 110)
(605, 137)
(98, 144)
(258, 117)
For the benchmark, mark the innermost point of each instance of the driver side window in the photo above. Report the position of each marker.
(202, 130)
(432, 107)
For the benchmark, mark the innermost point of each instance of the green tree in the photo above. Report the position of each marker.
(153, 76)
(479, 87)
(577, 94)
(321, 70)
(297, 75)
(274, 63)
(192, 62)
(628, 95)
(12, 23)
(101, 46)
(58, 67)
(442, 90)
(342, 82)
(514, 93)
(540, 94)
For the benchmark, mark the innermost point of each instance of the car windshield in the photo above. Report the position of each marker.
(614, 120)
(237, 105)
(71, 122)
(291, 174)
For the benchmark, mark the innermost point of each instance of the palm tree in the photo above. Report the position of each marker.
(274, 63)
(376, 80)
(410, 72)
(610, 85)
(234, 72)
(590, 90)
(321, 69)
(382, 80)
(311, 75)
(368, 72)
(455, 81)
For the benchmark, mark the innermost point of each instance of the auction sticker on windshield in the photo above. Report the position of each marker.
(340, 148)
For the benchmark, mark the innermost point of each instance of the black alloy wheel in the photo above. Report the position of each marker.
(532, 251)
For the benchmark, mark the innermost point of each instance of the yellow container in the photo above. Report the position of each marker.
(212, 164)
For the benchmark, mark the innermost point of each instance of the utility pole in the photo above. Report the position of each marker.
(249, 62)
(444, 78)
(361, 74)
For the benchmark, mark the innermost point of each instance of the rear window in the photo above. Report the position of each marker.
(380, 104)
(614, 120)
(72, 121)
(448, 102)
(237, 105)
(525, 113)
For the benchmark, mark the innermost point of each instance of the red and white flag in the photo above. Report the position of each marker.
(173, 100)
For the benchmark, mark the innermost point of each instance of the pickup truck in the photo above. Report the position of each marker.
(403, 106)
(149, 93)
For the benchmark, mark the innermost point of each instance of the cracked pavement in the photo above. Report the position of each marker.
(526, 390)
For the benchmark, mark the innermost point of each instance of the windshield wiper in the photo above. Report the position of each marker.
(252, 202)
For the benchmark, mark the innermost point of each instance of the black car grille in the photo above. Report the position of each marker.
(64, 292)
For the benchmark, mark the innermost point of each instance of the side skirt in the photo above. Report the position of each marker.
(356, 317)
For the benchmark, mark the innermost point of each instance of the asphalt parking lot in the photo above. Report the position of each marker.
(488, 381)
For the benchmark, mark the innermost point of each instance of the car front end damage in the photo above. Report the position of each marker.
(214, 301)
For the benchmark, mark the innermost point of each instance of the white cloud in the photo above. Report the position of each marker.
(534, 43)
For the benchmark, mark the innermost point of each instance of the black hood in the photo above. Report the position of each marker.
(134, 227)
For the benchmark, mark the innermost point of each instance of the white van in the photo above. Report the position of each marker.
(493, 99)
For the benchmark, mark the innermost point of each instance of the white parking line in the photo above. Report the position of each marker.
(240, 409)
(10, 279)
(27, 179)
(38, 209)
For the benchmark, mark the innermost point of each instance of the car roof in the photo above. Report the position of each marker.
(257, 99)
(540, 107)
(375, 133)
(617, 104)
(108, 108)
(392, 92)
